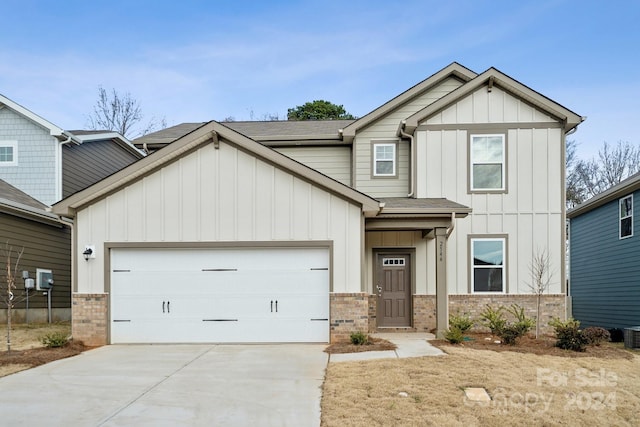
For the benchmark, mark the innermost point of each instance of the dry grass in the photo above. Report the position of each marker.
(374, 344)
(26, 349)
(526, 389)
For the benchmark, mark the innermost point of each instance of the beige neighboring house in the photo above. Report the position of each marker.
(433, 203)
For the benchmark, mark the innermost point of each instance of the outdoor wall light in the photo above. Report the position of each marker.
(87, 254)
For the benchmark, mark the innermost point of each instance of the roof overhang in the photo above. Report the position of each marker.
(53, 129)
(210, 132)
(31, 213)
(400, 213)
(493, 77)
(453, 70)
(622, 189)
(116, 137)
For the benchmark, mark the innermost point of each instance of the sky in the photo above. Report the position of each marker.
(192, 61)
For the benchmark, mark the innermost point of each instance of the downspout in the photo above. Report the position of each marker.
(58, 179)
(412, 155)
(453, 224)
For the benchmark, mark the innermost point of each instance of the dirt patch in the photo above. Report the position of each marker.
(374, 344)
(26, 349)
(544, 345)
(599, 387)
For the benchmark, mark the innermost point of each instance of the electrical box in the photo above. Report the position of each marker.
(44, 279)
(29, 283)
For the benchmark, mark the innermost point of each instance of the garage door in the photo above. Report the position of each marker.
(219, 295)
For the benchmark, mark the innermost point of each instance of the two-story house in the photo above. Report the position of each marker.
(39, 164)
(434, 202)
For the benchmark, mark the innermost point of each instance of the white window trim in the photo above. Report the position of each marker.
(393, 160)
(503, 240)
(620, 218)
(503, 162)
(14, 145)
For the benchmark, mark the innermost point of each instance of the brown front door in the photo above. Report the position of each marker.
(393, 287)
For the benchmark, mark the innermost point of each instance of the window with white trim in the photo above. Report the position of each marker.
(8, 153)
(384, 159)
(488, 265)
(487, 162)
(626, 217)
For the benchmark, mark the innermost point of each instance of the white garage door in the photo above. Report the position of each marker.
(219, 295)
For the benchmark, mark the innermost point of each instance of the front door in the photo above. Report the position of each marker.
(393, 287)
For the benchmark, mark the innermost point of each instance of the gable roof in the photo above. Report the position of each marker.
(53, 129)
(18, 203)
(216, 132)
(495, 77)
(106, 135)
(452, 70)
(622, 189)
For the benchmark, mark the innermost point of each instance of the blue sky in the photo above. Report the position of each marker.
(202, 60)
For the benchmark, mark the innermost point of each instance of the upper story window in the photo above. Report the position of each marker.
(626, 217)
(8, 153)
(488, 264)
(384, 159)
(487, 153)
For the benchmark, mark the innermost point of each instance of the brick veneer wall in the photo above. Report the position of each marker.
(424, 313)
(349, 313)
(89, 318)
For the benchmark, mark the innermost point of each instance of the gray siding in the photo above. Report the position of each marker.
(88, 163)
(331, 161)
(35, 173)
(605, 271)
(45, 246)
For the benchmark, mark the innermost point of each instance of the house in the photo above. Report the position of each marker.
(434, 202)
(40, 164)
(40, 242)
(604, 283)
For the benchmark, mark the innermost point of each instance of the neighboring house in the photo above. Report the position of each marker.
(45, 242)
(434, 202)
(604, 249)
(49, 163)
(42, 162)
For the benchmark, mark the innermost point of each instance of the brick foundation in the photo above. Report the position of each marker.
(349, 313)
(424, 313)
(89, 318)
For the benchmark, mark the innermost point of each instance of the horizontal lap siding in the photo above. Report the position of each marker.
(605, 271)
(88, 163)
(225, 194)
(334, 162)
(385, 129)
(45, 247)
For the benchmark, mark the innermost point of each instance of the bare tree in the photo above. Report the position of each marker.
(121, 113)
(540, 269)
(586, 179)
(9, 298)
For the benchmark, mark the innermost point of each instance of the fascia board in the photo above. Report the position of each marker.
(622, 189)
(53, 129)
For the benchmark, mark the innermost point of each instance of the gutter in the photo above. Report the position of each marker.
(405, 135)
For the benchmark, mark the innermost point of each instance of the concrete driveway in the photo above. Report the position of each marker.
(171, 385)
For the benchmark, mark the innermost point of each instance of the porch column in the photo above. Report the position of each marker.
(442, 295)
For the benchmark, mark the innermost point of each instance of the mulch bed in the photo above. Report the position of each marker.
(39, 356)
(374, 344)
(544, 345)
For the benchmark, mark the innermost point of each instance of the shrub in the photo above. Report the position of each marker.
(510, 333)
(523, 324)
(568, 335)
(493, 318)
(54, 339)
(462, 322)
(596, 335)
(359, 338)
(454, 335)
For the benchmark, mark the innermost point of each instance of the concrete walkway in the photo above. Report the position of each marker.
(412, 344)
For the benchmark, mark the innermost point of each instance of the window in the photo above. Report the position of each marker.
(384, 159)
(626, 217)
(8, 153)
(488, 268)
(487, 162)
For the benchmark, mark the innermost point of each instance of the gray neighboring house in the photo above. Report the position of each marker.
(40, 163)
(604, 254)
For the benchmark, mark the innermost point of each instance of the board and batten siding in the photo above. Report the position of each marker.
(46, 247)
(604, 269)
(530, 213)
(335, 162)
(88, 163)
(222, 195)
(385, 129)
(35, 173)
